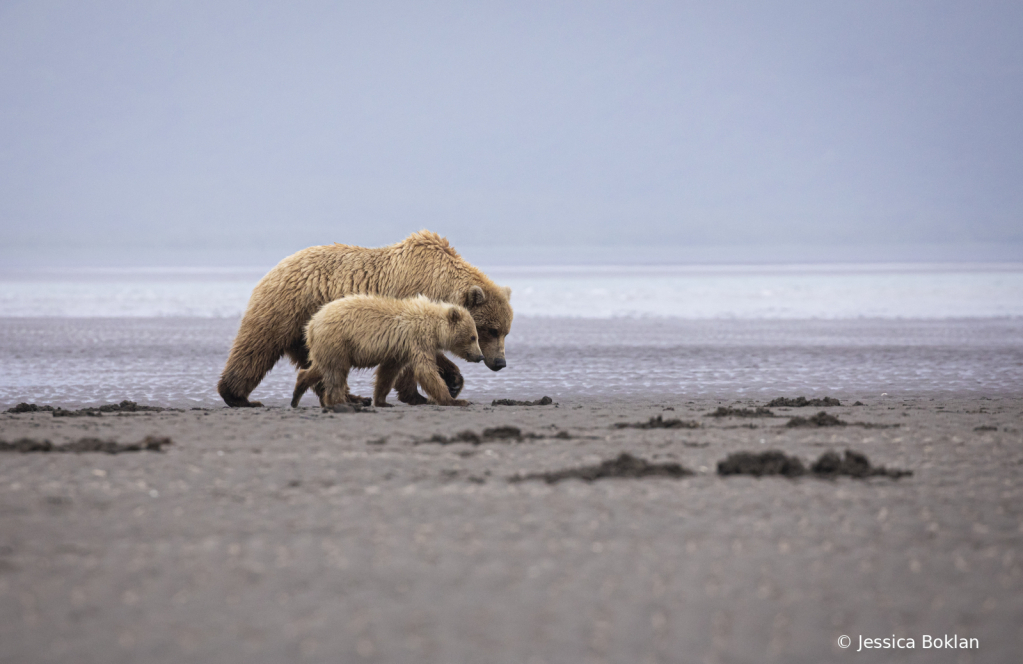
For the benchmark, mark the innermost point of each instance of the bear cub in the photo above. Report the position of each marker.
(361, 331)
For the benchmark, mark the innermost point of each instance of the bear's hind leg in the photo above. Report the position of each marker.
(244, 370)
(386, 375)
(406, 387)
(263, 337)
(335, 384)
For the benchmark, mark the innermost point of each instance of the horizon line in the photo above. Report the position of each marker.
(866, 267)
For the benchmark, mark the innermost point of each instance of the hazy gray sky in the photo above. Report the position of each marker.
(229, 132)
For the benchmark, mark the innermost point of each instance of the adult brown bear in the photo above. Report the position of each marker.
(288, 296)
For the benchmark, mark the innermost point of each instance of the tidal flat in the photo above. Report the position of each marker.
(279, 534)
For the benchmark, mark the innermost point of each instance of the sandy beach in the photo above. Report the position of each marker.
(273, 534)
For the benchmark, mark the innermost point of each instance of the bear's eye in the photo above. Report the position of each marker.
(473, 339)
(494, 332)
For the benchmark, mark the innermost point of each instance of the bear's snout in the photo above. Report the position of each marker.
(496, 364)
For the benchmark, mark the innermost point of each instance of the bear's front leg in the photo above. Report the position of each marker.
(426, 374)
(450, 374)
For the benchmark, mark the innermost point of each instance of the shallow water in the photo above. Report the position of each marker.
(176, 361)
(762, 293)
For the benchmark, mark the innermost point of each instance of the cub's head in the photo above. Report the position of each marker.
(462, 338)
(493, 316)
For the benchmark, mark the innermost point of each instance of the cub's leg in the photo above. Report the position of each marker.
(426, 373)
(306, 379)
(406, 383)
(386, 375)
(406, 387)
(335, 383)
(450, 374)
(298, 353)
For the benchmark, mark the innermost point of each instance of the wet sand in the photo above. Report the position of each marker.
(272, 535)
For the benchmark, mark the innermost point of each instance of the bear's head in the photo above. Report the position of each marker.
(492, 313)
(461, 336)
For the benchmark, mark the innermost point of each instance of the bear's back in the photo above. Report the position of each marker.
(380, 325)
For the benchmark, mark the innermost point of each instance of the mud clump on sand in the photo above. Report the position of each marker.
(466, 436)
(25, 445)
(28, 408)
(545, 401)
(821, 419)
(853, 464)
(92, 411)
(624, 466)
(800, 402)
(771, 462)
(502, 434)
(828, 466)
(659, 423)
(724, 411)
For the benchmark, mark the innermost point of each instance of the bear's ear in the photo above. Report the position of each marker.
(475, 296)
(507, 292)
(454, 315)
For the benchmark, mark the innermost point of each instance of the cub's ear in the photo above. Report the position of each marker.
(475, 296)
(507, 292)
(454, 316)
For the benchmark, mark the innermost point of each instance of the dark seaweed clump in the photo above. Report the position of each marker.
(828, 466)
(724, 411)
(659, 423)
(800, 402)
(123, 407)
(545, 401)
(28, 408)
(821, 419)
(624, 466)
(771, 462)
(853, 464)
(501, 434)
(25, 445)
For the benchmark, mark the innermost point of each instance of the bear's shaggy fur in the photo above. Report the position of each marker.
(288, 296)
(394, 335)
